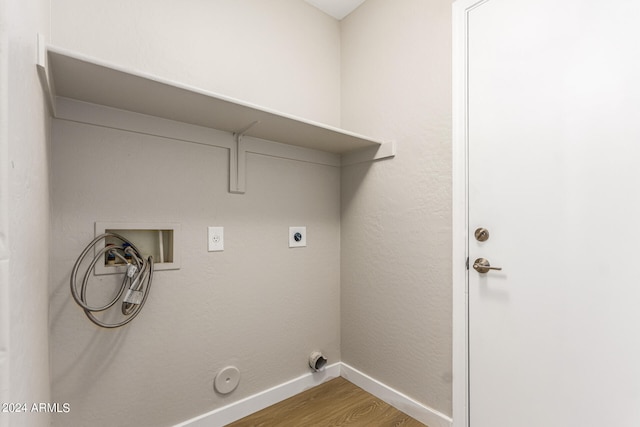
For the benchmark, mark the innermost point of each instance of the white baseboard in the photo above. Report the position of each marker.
(247, 406)
(403, 403)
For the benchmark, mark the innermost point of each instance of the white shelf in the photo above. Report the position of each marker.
(70, 75)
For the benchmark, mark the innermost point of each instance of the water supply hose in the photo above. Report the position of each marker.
(135, 285)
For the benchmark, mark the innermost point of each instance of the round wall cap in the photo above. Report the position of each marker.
(227, 380)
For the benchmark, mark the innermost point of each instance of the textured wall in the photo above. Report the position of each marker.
(281, 54)
(396, 215)
(258, 305)
(24, 223)
(385, 71)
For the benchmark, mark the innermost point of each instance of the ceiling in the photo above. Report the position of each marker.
(336, 8)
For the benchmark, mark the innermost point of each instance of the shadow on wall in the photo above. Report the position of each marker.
(94, 358)
(352, 177)
(94, 354)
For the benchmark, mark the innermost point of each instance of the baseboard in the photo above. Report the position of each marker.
(249, 405)
(403, 403)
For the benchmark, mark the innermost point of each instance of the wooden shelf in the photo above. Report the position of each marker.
(81, 78)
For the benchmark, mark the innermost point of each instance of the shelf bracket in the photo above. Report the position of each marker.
(238, 161)
(386, 150)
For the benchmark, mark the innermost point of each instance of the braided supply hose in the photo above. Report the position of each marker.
(135, 285)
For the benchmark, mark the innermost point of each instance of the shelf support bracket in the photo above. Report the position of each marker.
(386, 150)
(238, 161)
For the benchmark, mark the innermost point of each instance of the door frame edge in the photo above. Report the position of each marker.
(460, 226)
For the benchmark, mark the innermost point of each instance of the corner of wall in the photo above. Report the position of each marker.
(24, 212)
(396, 215)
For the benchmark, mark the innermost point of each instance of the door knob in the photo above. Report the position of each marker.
(481, 265)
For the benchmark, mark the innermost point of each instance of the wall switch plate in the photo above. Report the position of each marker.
(297, 237)
(216, 239)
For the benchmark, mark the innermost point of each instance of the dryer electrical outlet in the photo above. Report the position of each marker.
(297, 237)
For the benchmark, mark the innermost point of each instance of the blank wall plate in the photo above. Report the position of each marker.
(297, 237)
(216, 239)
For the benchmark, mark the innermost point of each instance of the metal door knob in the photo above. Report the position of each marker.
(481, 265)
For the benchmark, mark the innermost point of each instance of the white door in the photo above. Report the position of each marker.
(554, 176)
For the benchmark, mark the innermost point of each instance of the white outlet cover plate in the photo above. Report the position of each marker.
(293, 243)
(216, 239)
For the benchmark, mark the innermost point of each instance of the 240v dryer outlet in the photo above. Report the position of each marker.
(297, 237)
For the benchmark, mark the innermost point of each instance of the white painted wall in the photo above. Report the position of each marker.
(258, 305)
(386, 225)
(281, 54)
(396, 215)
(24, 213)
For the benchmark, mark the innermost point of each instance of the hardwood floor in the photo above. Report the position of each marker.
(334, 403)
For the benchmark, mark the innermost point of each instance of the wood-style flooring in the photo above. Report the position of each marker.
(334, 403)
